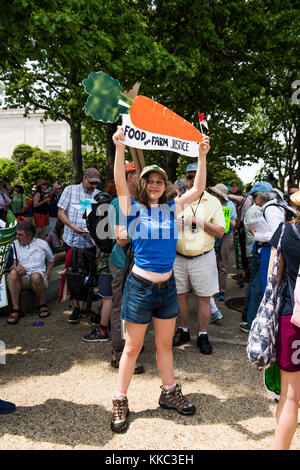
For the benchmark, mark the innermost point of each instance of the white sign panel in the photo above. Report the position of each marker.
(145, 140)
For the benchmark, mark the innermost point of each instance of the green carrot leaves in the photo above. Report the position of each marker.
(104, 95)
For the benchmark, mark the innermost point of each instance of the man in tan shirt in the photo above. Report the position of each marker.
(195, 262)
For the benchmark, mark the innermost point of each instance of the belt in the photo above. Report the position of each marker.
(196, 256)
(146, 282)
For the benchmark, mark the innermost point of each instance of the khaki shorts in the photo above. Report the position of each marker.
(26, 284)
(200, 272)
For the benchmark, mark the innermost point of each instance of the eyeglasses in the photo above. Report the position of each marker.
(158, 182)
(190, 177)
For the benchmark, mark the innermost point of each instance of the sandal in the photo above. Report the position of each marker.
(43, 313)
(14, 316)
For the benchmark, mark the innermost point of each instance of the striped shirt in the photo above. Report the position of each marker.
(72, 195)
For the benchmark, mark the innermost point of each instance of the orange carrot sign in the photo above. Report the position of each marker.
(147, 124)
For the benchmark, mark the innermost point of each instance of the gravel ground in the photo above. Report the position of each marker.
(62, 387)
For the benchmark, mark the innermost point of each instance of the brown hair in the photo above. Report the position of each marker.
(110, 188)
(141, 193)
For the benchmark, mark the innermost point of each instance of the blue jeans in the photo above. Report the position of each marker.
(264, 265)
(140, 302)
(254, 293)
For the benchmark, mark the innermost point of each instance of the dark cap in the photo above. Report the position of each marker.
(92, 174)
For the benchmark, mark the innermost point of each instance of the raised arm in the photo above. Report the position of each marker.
(200, 179)
(119, 172)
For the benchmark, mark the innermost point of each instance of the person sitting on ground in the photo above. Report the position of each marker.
(32, 267)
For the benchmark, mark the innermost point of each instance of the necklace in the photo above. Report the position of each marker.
(194, 228)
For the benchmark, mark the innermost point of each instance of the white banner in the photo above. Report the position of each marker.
(140, 139)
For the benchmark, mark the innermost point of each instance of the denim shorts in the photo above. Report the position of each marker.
(104, 286)
(140, 302)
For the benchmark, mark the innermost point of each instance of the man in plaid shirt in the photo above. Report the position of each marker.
(75, 231)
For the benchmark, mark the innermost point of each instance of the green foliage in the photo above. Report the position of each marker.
(8, 169)
(22, 153)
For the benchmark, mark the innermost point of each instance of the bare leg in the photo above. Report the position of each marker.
(14, 288)
(203, 312)
(183, 314)
(106, 311)
(164, 331)
(134, 341)
(38, 286)
(287, 410)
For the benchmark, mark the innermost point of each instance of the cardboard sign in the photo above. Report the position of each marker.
(145, 140)
(226, 211)
(149, 124)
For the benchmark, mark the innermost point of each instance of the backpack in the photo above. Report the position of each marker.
(98, 224)
(289, 211)
(79, 275)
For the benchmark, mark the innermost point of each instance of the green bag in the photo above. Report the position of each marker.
(272, 381)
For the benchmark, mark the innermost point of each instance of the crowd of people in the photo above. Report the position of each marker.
(168, 239)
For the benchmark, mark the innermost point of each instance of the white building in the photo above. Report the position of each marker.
(16, 129)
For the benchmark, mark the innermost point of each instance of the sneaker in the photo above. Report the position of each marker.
(221, 296)
(181, 337)
(216, 316)
(96, 336)
(245, 327)
(6, 407)
(75, 316)
(173, 399)
(203, 344)
(115, 361)
(119, 421)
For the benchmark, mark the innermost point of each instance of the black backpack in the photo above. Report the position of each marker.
(79, 275)
(98, 225)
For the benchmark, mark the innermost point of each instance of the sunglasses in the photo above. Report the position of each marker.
(92, 183)
(190, 177)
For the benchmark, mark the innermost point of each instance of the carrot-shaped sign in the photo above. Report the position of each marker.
(148, 124)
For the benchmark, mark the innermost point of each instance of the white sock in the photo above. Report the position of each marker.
(186, 330)
(213, 307)
(202, 333)
(169, 387)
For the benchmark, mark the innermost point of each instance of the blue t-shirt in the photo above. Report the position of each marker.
(118, 253)
(154, 234)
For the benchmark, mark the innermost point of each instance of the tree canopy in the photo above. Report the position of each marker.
(235, 60)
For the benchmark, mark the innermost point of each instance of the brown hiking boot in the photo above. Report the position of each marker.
(115, 361)
(174, 399)
(119, 421)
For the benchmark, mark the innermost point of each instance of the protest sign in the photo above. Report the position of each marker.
(7, 236)
(3, 293)
(145, 140)
(150, 125)
(226, 211)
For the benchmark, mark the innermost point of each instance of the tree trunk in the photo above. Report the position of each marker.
(76, 150)
(110, 151)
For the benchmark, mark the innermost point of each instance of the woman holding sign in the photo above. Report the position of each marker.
(150, 290)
